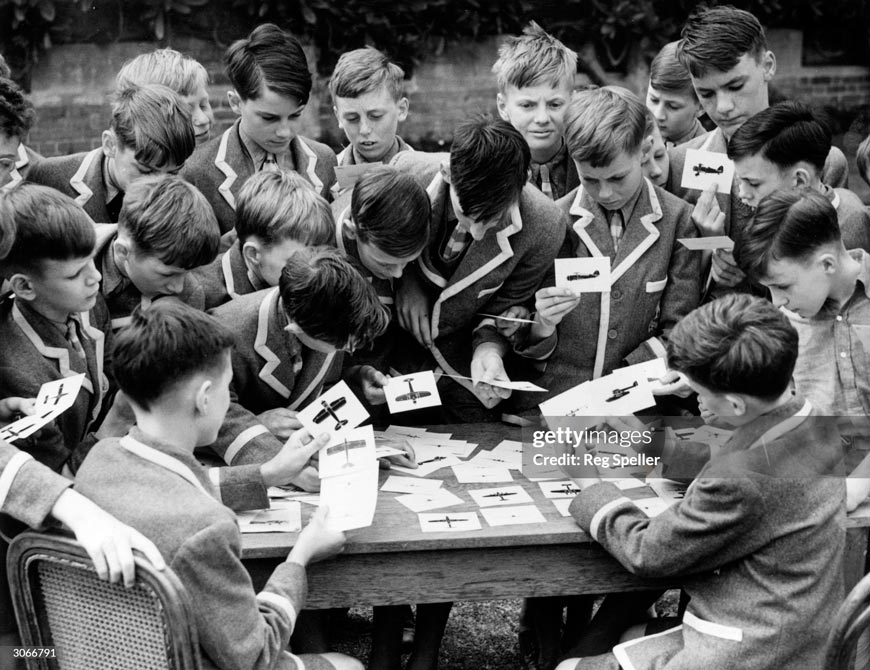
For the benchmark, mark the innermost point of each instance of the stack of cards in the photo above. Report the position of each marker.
(283, 517)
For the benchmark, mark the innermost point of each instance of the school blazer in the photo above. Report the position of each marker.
(347, 246)
(79, 176)
(32, 488)
(757, 543)
(503, 269)
(33, 353)
(225, 278)
(219, 167)
(26, 159)
(263, 376)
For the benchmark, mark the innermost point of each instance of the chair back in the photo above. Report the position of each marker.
(92, 624)
(853, 619)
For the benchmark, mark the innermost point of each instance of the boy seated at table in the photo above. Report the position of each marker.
(166, 228)
(16, 118)
(671, 98)
(150, 133)
(270, 89)
(368, 99)
(757, 542)
(174, 364)
(184, 75)
(783, 148)
(277, 213)
(535, 76)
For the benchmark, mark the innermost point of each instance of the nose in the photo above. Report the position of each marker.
(541, 116)
(94, 275)
(745, 193)
(654, 171)
(365, 127)
(395, 271)
(200, 118)
(605, 191)
(724, 103)
(285, 130)
(658, 111)
(778, 298)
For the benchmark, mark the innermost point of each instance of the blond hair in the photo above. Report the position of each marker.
(166, 67)
(532, 58)
(600, 123)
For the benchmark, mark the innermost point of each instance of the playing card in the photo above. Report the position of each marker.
(703, 168)
(509, 516)
(423, 502)
(584, 275)
(396, 484)
(449, 523)
(414, 391)
(707, 243)
(505, 495)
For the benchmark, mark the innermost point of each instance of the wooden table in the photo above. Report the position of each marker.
(394, 562)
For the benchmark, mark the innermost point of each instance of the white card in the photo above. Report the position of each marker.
(501, 458)
(414, 391)
(499, 496)
(626, 484)
(351, 497)
(408, 431)
(337, 412)
(520, 385)
(53, 399)
(584, 275)
(471, 473)
(651, 506)
(707, 243)
(449, 523)
(348, 175)
(562, 504)
(423, 502)
(563, 490)
(284, 517)
(353, 450)
(703, 168)
(666, 489)
(509, 516)
(396, 484)
(424, 447)
(426, 466)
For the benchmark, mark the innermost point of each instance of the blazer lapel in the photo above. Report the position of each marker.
(596, 241)
(306, 160)
(269, 334)
(15, 176)
(99, 339)
(222, 164)
(638, 239)
(235, 272)
(79, 181)
(438, 194)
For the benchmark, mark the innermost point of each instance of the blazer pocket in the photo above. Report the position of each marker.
(489, 291)
(719, 630)
(656, 286)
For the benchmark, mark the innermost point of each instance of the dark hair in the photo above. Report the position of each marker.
(786, 225)
(269, 57)
(47, 225)
(154, 122)
(715, 38)
(783, 134)
(736, 344)
(602, 122)
(668, 75)
(169, 218)
(489, 166)
(391, 211)
(165, 345)
(327, 297)
(16, 111)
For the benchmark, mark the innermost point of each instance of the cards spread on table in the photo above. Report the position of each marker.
(474, 473)
(423, 502)
(509, 516)
(584, 275)
(562, 504)
(449, 523)
(337, 412)
(395, 484)
(505, 495)
(53, 399)
(565, 489)
(707, 243)
(348, 175)
(282, 517)
(353, 450)
(427, 465)
(351, 497)
(703, 168)
(414, 391)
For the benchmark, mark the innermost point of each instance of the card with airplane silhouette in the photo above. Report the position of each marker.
(414, 391)
(449, 523)
(351, 451)
(583, 275)
(703, 168)
(503, 495)
(337, 412)
(53, 399)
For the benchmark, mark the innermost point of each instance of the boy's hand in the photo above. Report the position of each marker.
(309, 479)
(508, 329)
(708, 218)
(673, 383)
(288, 463)
(486, 366)
(725, 270)
(108, 542)
(372, 383)
(551, 306)
(413, 308)
(405, 460)
(9, 407)
(281, 422)
(119, 419)
(317, 541)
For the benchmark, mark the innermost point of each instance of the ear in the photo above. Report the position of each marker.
(109, 143)
(768, 63)
(349, 228)
(121, 250)
(501, 103)
(403, 105)
(646, 146)
(251, 251)
(235, 101)
(829, 261)
(202, 399)
(22, 287)
(801, 177)
(337, 117)
(737, 402)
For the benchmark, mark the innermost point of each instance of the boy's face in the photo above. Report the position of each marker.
(218, 395)
(538, 112)
(382, 265)
(370, 121)
(148, 273)
(675, 113)
(270, 120)
(61, 288)
(200, 112)
(123, 167)
(655, 160)
(613, 185)
(731, 98)
(267, 261)
(801, 286)
(757, 178)
(8, 157)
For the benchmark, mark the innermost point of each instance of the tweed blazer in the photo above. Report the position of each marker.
(219, 167)
(226, 278)
(79, 176)
(29, 488)
(852, 216)
(757, 543)
(27, 157)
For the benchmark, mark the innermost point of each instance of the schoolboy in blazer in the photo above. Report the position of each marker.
(16, 118)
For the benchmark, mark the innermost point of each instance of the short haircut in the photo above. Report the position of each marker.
(47, 225)
(391, 211)
(736, 344)
(489, 166)
(166, 67)
(716, 38)
(533, 58)
(154, 122)
(602, 122)
(668, 75)
(269, 57)
(786, 225)
(16, 111)
(164, 346)
(169, 218)
(365, 70)
(784, 134)
(863, 159)
(283, 205)
(327, 297)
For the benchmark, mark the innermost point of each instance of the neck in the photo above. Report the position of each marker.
(170, 428)
(49, 312)
(546, 155)
(761, 408)
(844, 287)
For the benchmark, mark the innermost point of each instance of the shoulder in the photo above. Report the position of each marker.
(243, 309)
(56, 167)
(671, 204)
(203, 155)
(538, 209)
(419, 164)
(850, 202)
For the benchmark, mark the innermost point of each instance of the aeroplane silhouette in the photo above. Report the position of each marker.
(500, 494)
(329, 410)
(566, 489)
(621, 393)
(447, 520)
(578, 275)
(700, 167)
(413, 396)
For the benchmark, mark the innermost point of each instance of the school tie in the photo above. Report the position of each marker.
(456, 244)
(546, 186)
(72, 337)
(617, 228)
(270, 164)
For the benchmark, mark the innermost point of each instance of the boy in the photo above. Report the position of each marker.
(535, 76)
(368, 101)
(725, 50)
(150, 133)
(174, 364)
(16, 118)
(278, 213)
(187, 77)
(492, 238)
(655, 160)
(271, 84)
(784, 148)
(289, 339)
(757, 542)
(166, 228)
(671, 98)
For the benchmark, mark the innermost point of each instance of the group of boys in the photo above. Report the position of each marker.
(440, 261)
